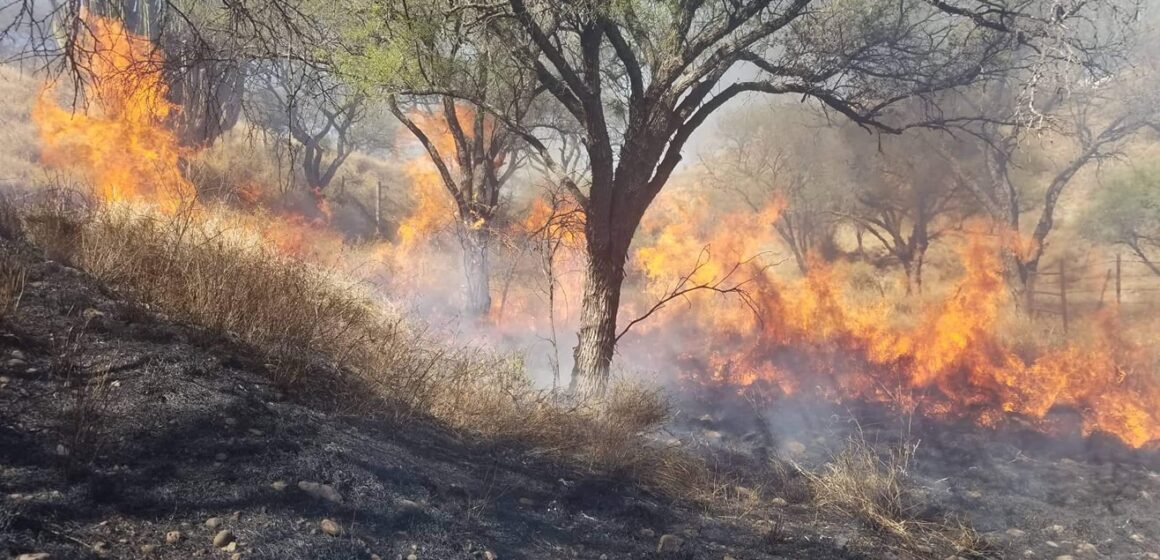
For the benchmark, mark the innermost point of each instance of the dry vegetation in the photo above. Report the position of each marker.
(863, 484)
(205, 269)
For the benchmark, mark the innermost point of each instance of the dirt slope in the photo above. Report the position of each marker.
(118, 428)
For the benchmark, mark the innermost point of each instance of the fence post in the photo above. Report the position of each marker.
(1117, 281)
(379, 210)
(1063, 294)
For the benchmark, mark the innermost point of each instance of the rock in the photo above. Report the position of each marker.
(1016, 533)
(412, 556)
(1086, 548)
(1052, 544)
(35, 556)
(220, 457)
(647, 533)
(231, 547)
(148, 549)
(255, 432)
(174, 537)
(1057, 529)
(102, 548)
(1065, 557)
(330, 527)
(18, 355)
(16, 363)
(223, 539)
(213, 522)
(527, 502)
(669, 544)
(1136, 537)
(279, 485)
(320, 491)
(236, 556)
(779, 502)
(408, 506)
(489, 555)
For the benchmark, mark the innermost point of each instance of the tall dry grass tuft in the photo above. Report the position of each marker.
(209, 269)
(874, 487)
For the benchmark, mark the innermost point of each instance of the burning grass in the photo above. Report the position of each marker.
(209, 269)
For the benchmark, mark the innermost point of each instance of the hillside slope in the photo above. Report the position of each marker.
(119, 429)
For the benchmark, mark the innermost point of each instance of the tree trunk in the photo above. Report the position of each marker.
(597, 337)
(477, 268)
(908, 272)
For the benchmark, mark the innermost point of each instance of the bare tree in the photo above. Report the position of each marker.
(484, 156)
(318, 112)
(905, 199)
(1096, 120)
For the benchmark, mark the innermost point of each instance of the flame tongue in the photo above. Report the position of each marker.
(119, 144)
(950, 362)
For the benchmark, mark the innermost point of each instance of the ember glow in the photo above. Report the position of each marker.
(785, 336)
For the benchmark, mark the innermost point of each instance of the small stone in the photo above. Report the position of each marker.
(973, 494)
(230, 421)
(174, 537)
(1137, 537)
(255, 432)
(223, 539)
(231, 547)
(4, 380)
(213, 522)
(148, 548)
(16, 363)
(1152, 556)
(1065, 557)
(321, 491)
(330, 527)
(647, 533)
(279, 485)
(408, 506)
(35, 556)
(489, 555)
(1052, 544)
(18, 355)
(376, 557)
(220, 457)
(527, 502)
(412, 557)
(779, 502)
(1057, 529)
(669, 544)
(102, 548)
(1087, 548)
(236, 556)
(236, 516)
(1016, 533)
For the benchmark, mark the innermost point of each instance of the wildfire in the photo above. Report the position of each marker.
(119, 144)
(952, 361)
(794, 335)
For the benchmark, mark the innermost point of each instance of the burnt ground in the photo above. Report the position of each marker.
(118, 428)
(1030, 494)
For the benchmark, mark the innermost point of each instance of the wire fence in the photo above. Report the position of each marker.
(1071, 289)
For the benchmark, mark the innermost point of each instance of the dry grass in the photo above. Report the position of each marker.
(874, 488)
(208, 269)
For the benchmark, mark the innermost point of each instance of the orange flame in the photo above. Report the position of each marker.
(119, 145)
